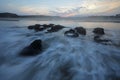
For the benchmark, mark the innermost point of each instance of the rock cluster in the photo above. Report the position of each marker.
(99, 32)
(35, 47)
(50, 27)
(75, 32)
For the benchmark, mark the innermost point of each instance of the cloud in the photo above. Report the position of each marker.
(34, 10)
(65, 12)
(62, 8)
(93, 7)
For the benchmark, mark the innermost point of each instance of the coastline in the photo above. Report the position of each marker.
(65, 19)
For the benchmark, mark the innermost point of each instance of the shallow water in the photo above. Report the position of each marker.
(63, 58)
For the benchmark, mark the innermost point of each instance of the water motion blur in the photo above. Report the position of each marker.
(60, 40)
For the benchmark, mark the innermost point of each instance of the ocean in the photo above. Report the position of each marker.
(62, 58)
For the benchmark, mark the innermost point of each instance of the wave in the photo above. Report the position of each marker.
(63, 58)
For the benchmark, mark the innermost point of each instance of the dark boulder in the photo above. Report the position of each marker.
(35, 27)
(38, 27)
(51, 25)
(41, 28)
(71, 33)
(102, 41)
(81, 30)
(99, 31)
(55, 28)
(31, 27)
(33, 49)
(46, 26)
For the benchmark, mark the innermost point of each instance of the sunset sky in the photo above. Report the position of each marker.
(61, 7)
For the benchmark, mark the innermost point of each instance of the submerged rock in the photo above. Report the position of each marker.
(99, 31)
(33, 49)
(102, 41)
(71, 33)
(81, 30)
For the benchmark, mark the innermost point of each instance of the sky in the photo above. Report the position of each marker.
(63, 8)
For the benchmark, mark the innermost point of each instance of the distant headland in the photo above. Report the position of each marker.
(16, 17)
(13, 15)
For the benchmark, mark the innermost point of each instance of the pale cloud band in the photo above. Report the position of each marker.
(63, 8)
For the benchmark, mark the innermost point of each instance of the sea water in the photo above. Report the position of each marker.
(63, 58)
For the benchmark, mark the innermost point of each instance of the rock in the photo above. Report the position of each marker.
(55, 28)
(99, 31)
(71, 33)
(33, 49)
(81, 30)
(103, 41)
(37, 27)
(51, 25)
(46, 26)
(31, 27)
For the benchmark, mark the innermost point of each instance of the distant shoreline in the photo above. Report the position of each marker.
(64, 19)
(15, 17)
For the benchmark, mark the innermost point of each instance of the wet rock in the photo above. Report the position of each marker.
(38, 27)
(31, 27)
(55, 28)
(99, 31)
(102, 41)
(46, 26)
(81, 30)
(71, 33)
(33, 49)
(51, 25)
(35, 27)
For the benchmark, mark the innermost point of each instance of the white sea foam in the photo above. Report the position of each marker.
(63, 58)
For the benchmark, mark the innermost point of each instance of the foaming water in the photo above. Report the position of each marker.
(63, 58)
